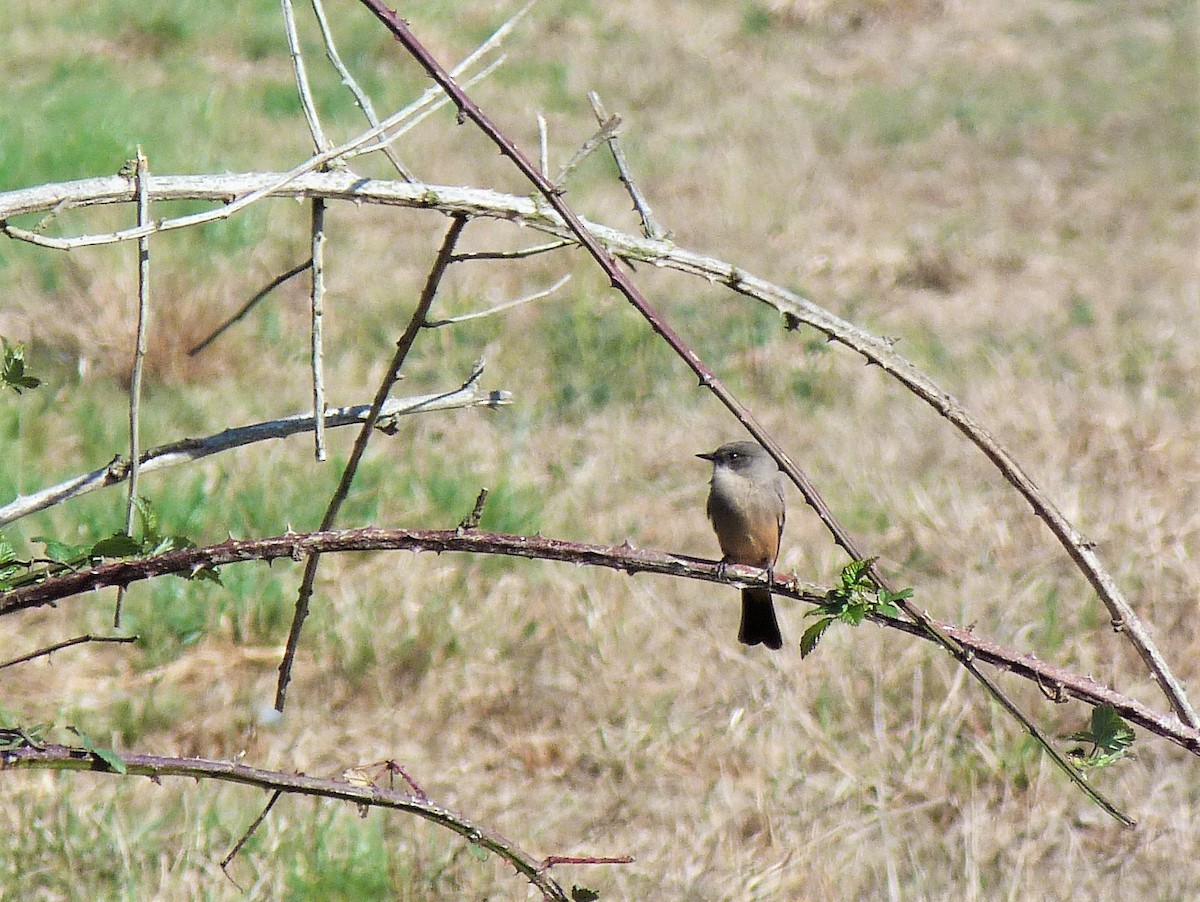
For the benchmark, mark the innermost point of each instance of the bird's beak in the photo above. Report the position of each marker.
(709, 456)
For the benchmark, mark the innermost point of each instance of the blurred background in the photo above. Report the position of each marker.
(1009, 191)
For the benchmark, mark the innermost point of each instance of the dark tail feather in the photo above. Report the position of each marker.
(758, 620)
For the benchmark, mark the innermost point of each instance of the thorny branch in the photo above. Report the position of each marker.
(361, 793)
(1064, 683)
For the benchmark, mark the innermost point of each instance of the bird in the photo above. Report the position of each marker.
(747, 510)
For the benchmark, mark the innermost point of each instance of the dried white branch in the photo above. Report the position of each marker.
(317, 298)
(543, 145)
(320, 142)
(188, 450)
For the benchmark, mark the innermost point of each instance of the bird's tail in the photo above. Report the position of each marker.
(758, 620)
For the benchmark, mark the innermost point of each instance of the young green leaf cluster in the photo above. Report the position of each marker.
(854, 598)
(12, 368)
(1110, 738)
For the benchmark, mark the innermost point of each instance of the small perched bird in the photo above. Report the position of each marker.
(746, 508)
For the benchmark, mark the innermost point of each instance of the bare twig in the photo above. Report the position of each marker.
(188, 450)
(620, 557)
(317, 298)
(500, 308)
(434, 99)
(65, 758)
(245, 837)
(650, 227)
(360, 96)
(403, 346)
(621, 281)
(512, 255)
(607, 131)
(59, 646)
(320, 142)
(250, 304)
(551, 860)
(141, 176)
(795, 309)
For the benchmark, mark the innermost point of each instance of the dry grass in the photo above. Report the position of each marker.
(1009, 190)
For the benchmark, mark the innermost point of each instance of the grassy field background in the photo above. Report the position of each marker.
(1008, 190)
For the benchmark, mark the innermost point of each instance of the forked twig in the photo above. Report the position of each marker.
(607, 131)
(320, 142)
(360, 96)
(650, 227)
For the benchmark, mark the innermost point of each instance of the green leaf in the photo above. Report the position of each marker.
(583, 894)
(8, 554)
(478, 852)
(150, 531)
(172, 543)
(1109, 736)
(117, 545)
(853, 614)
(62, 552)
(854, 574)
(887, 609)
(12, 368)
(1110, 732)
(813, 635)
(114, 761)
(889, 598)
